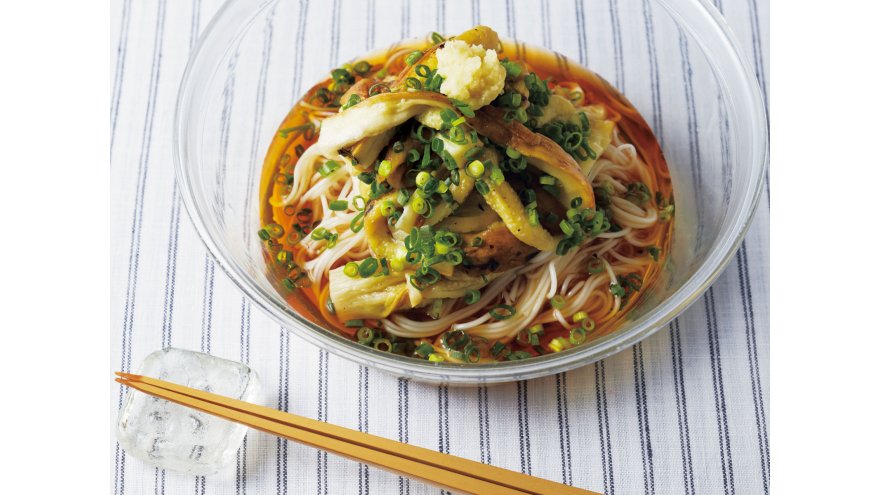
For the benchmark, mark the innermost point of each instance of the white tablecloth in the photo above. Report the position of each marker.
(683, 412)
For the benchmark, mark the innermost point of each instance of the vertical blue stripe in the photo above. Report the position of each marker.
(483, 419)
(522, 415)
(121, 52)
(745, 287)
(403, 425)
(604, 429)
(136, 224)
(684, 435)
(718, 388)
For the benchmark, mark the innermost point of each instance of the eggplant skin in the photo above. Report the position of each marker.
(541, 151)
(499, 251)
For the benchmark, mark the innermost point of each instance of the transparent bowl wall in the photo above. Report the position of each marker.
(674, 59)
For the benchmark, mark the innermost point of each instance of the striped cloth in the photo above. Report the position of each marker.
(683, 412)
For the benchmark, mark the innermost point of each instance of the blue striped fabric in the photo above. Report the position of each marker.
(685, 411)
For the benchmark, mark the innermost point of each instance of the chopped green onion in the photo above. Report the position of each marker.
(498, 348)
(382, 345)
(359, 202)
(436, 38)
(422, 178)
(384, 168)
(387, 208)
(547, 180)
(579, 316)
(423, 70)
(617, 290)
(496, 175)
(328, 167)
(558, 344)
(513, 69)
(351, 269)
(566, 227)
(457, 122)
(477, 242)
(588, 324)
(402, 197)
(367, 177)
(354, 323)
(454, 257)
(413, 57)
(481, 187)
(472, 296)
(368, 267)
(319, 234)
(365, 335)
(338, 205)
(512, 153)
(441, 248)
(357, 223)
(577, 335)
(502, 311)
(436, 358)
(424, 349)
(447, 238)
(413, 83)
(352, 101)
(362, 67)
(533, 216)
(274, 230)
(413, 155)
(557, 301)
(595, 266)
(419, 205)
(436, 145)
(517, 355)
(654, 251)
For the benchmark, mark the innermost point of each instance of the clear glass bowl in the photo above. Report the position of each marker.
(675, 60)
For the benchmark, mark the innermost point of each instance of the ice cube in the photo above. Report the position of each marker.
(178, 438)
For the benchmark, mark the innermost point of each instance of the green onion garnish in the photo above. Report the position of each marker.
(424, 349)
(328, 167)
(338, 205)
(413, 57)
(557, 301)
(502, 311)
(481, 187)
(362, 67)
(387, 208)
(365, 335)
(368, 267)
(472, 296)
(357, 223)
(351, 269)
(595, 266)
(383, 345)
(577, 335)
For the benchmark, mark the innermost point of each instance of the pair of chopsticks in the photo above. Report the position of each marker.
(442, 470)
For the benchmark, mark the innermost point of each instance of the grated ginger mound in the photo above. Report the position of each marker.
(470, 73)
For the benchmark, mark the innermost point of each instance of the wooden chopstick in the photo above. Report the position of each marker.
(461, 475)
